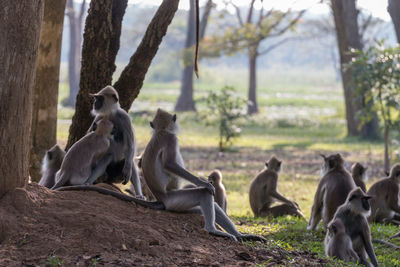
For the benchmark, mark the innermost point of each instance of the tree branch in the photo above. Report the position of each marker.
(250, 14)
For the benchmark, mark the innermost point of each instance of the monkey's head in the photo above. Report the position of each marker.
(54, 156)
(105, 101)
(104, 126)
(358, 202)
(164, 120)
(335, 227)
(274, 164)
(331, 162)
(215, 177)
(359, 171)
(395, 172)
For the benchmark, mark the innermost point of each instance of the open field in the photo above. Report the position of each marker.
(298, 120)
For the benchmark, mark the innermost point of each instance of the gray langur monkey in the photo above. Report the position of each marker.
(385, 203)
(51, 163)
(338, 244)
(264, 191)
(215, 178)
(359, 174)
(332, 190)
(118, 161)
(161, 157)
(84, 154)
(353, 213)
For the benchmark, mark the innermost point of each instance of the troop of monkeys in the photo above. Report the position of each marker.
(106, 155)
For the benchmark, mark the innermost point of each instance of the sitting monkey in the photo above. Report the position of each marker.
(51, 163)
(264, 192)
(80, 159)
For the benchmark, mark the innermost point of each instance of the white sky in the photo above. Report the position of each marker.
(376, 7)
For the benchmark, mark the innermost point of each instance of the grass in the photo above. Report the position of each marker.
(299, 118)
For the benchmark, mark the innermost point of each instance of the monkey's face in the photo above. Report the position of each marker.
(55, 153)
(105, 101)
(274, 164)
(359, 202)
(358, 170)
(164, 121)
(395, 173)
(215, 177)
(336, 226)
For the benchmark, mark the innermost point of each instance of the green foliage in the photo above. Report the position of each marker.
(54, 261)
(224, 108)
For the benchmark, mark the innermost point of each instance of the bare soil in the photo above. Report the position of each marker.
(40, 227)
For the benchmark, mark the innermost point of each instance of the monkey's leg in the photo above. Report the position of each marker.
(315, 218)
(285, 209)
(100, 168)
(184, 200)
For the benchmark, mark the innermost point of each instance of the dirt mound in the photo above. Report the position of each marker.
(40, 227)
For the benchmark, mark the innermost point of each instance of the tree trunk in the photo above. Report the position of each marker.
(131, 80)
(348, 36)
(185, 100)
(252, 106)
(100, 47)
(20, 23)
(44, 115)
(394, 11)
(386, 159)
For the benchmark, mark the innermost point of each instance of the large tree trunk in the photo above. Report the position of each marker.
(20, 23)
(74, 56)
(44, 115)
(348, 36)
(252, 106)
(394, 11)
(131, 80)
(100, 47)
(185, 101)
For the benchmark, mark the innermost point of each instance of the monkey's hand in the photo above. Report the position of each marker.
(209, 187)
(126, 173)
(295, 205)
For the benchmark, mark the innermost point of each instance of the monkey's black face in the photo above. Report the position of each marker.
(98, 102)
(365, 203)
(49, 155)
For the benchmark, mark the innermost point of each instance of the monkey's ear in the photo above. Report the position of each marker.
(279, 163)
(151, 125)
(174, 118)
(323, 156)
(49, 155)
(115, 97)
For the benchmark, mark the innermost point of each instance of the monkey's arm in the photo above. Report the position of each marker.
(273, 191)
(93, 125)
(366, 237)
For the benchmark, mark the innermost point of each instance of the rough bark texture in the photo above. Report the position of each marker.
(185, 100)
(74, 56)
(348, 36)
(44, 115)
(252, 106)
(394, 11)
(131, 80)
(20, 23)
(100, 47)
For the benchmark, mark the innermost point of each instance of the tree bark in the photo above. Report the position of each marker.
(252, 106)
(44, 115)
(185, 101)
(100, 47)
(131, 80)
(348, 36)
(20, 23)
(394, 12)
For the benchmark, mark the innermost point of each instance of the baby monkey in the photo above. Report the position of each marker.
(264, 192)
(51, 163)
(215, 178)
(84, 154)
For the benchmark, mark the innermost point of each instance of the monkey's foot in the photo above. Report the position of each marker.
(248, 237)
(222, 234)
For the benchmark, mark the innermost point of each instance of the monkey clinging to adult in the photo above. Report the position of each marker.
(264, 191)
(118, 162)
(160, 158)
(332, 190)
(51, 163)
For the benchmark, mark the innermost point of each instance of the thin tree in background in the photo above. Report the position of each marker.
(75, 49)
(248, 35)
(100, 46)
(345, 16)
(44, 115)
(20, 23)
(394, 11)
(185, 100)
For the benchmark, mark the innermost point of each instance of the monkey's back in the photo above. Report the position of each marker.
(336, 185)
(258, 191)
(340, 246)
(379, 203)
(220, 194)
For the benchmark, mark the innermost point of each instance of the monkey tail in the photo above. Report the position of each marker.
(378, 241)
(147, 204)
